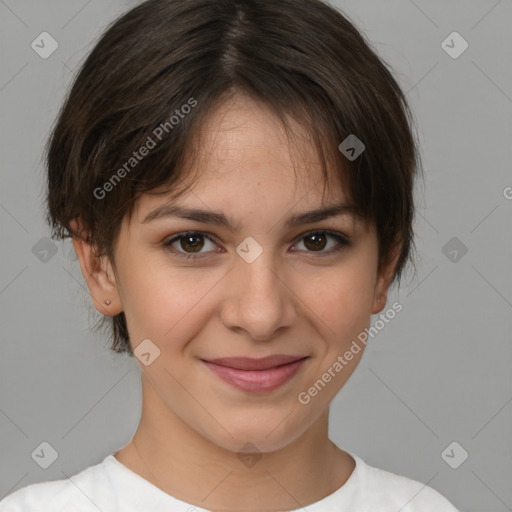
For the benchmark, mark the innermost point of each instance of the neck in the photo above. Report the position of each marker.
(187, 465)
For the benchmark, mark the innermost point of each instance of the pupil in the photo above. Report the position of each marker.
(195, 245)
(319, 241)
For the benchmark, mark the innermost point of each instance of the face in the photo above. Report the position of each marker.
(201, 290)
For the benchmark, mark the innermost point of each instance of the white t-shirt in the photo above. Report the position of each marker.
(111, 487)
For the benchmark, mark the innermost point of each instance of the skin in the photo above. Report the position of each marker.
(292, 299)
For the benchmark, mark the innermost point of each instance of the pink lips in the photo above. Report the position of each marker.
(248, 374)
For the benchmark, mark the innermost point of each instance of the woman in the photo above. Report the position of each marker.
(237, 178)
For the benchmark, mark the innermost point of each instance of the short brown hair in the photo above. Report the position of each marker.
(300, 58)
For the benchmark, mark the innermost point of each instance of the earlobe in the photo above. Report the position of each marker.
(98, 275)
(384, 280)
(379, 302)
(380, 296)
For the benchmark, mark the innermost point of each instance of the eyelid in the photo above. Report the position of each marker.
(331, 232)
(182, 234)
(344, 241)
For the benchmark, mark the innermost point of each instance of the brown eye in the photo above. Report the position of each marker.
(191, 243)
(316, 241)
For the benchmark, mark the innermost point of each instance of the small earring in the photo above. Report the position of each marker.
(107, 302)
(378, 300)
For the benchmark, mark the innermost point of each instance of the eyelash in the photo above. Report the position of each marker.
(343, 242)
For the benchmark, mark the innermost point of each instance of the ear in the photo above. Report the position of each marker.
(384, 279)
(98, 274)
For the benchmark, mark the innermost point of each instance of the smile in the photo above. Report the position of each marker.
(256, 375)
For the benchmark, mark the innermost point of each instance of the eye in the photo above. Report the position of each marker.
(190, 242)
(316, 241)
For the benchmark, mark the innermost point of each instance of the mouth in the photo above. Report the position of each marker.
(256, 375)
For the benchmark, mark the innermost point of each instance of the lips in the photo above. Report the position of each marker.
(256, 375)
(249, 363)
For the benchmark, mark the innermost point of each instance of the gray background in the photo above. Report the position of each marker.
(439, 372)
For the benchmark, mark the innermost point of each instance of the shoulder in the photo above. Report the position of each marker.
(390, 492)
(81, 492)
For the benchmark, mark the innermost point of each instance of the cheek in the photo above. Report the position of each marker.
(342, 298)
(164, 303)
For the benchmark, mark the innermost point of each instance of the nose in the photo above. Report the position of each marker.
(258, 301)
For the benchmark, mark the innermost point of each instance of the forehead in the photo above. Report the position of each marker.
(242, 154)
(245, 137)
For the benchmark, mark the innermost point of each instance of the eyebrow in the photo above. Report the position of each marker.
(218, 218)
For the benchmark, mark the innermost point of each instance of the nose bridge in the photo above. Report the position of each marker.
(257, 279)
(259, 276)
(255, 264)
(258, 302)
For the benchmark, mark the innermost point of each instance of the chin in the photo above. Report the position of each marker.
(251, 443)
(268, 434)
